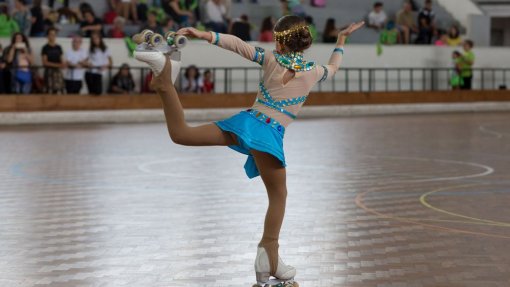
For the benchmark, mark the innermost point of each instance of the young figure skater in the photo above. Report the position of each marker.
(257, 132)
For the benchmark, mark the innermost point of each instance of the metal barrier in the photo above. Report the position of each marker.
(246, 79)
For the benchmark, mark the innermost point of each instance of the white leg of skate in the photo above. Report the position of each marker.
(274, 282)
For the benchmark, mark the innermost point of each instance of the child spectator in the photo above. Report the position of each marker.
(456, 81)
(7, 24)
(117, 31)
(152, 23)
(266, 31)
(377, 18)
(53, 61)
(241, 28)
(390, 34)
(91, 24)
(442, 39)
(122, 82)
(38, 28)
(76, 59)
(215, 13)
(208, 84)
(99, 61)
(406, 22)
(426, 24)
(191, 82)
(19, 59)
(22, 16)
(454, 38)
(466, 63)
(330, 34)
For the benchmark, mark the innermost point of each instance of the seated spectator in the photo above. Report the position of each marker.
(76, 59)
(406, 22)
(90, 24)
(117, 31)
(266, 31)
(377, 18)
(53, 61)
(330, 34)
(426, 24)
(38, 28)
(7, 24)
(454, 38)
(172, 8)
(208, 84)
(191, 83)
(442, 39)
(190, 6)
(99, 61)
(241, 28)
(293, 7)
(169, 25)
(215, 14)
(127, 9)
(122, 82)
(18, 59)
(312, 28)
(152, 23)
(390, 34)
(22, 16)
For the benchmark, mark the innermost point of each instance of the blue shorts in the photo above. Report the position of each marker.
(255, 131)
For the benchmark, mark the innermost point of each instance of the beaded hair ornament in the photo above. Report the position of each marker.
(284, 36)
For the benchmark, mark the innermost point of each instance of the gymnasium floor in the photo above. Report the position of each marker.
(417, 200)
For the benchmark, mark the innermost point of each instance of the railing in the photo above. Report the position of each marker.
(246, 79)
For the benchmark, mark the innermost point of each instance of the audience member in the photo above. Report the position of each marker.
(454, 38)
(117, 30)
(152, 23)
(170, 25)
(241, 28)
(426, 24)
(7, 24)
(312, 28)
(215, 14)
(127, 9)
(22, 16)
(377, 18)
(190, 6)
(172, 8)
(76, 59)
(191, 83)
(123, 82)
(466, 65)
(456, 81)
(330, 34)
(4, 78)
(99, 61)
(293, 7)
(208, 83)
(442, 39)
(19, 59)
(91, 24)
(390, 34)
(406, 22)
(38, 28)
(266, 30)
(53, 61)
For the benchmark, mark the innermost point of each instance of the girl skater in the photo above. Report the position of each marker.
(257, 132)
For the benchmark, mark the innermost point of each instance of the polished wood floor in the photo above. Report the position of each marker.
(417, 200)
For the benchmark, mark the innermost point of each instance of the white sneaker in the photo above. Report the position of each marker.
(263, 269)
(156, 61)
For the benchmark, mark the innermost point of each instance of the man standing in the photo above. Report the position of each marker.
(76, 58)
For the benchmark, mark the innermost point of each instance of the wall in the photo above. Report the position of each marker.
(461, 9)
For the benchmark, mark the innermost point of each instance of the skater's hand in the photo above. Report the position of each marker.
(194, 33)
(343, 34)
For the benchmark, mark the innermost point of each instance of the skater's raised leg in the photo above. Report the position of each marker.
(274, 177)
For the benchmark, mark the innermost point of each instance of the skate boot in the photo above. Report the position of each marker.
(153, 47)
(284, 276)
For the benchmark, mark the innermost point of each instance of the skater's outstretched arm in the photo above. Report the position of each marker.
(225, 41)
(329, 70)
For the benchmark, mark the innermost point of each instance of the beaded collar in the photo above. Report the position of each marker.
(293, 61)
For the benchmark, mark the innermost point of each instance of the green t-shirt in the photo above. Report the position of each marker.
(389, 37)
(466, 64)
(7, 26)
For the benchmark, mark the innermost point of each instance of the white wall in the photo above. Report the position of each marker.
(461, 9)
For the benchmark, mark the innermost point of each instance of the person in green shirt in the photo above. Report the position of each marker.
(456, 81)
(466, 63)
(389, 35)
(8, 25)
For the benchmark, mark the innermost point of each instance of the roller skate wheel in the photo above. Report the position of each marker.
(147, 34)
(156, 39)
(180, 41)
(138, 38)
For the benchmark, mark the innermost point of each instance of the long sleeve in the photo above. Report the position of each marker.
(326, 72)
(238, 46)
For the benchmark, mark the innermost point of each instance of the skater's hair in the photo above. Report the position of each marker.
(101, 45)
(293, 34)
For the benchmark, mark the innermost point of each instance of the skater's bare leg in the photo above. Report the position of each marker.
(274, 177)
(178, 129)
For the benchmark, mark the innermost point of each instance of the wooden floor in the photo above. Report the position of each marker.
(419, 200)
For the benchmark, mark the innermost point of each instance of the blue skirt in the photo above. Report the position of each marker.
(255, 131)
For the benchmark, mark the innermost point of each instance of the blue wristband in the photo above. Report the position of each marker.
(217, 39)
(339, 50)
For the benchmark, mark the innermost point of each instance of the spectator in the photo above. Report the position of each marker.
(117, 31)
(442, 39)
(152, 23)
(4, 78)
(172, 8)
(190, 6)
(426, 24)
(406, 22)
(19, 59)
(293, 7)
(466, 63)
(191, 82)
(266, 31)
(122, 82)
(312, 28)
(241, 28)
(53, 61)
(7, 24)
(99, 61)
(208, 85)
(330, 34)
(146, 83)
(76, 59)
(390, 34)
(22, 16)
(454, 38)
(377, 18)
(65, 3)
(215, 14)
(127, 8)
(90, 24)
(170, 25)
(37, 29)
(456, 81)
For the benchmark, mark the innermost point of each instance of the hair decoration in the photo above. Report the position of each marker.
(285, 35)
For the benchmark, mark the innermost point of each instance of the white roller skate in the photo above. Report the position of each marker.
(152, 47)
(284, 276)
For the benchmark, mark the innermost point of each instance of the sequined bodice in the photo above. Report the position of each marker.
(270, 102)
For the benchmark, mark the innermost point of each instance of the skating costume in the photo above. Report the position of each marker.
(262, 127)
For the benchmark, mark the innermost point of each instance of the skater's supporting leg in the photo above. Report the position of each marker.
(274, 177)
(178, 129)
